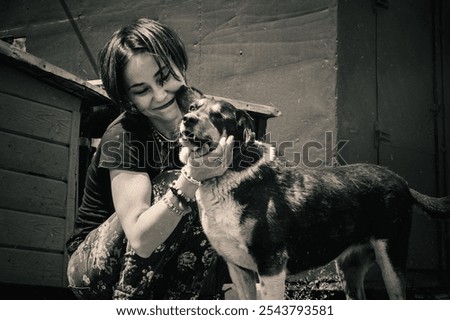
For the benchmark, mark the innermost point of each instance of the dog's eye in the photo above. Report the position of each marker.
(193, 107)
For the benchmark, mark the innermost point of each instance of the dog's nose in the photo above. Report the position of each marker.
(190, 119)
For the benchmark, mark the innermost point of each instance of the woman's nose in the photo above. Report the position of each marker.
(159, 94)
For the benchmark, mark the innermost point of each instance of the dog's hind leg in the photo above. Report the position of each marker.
(393, 273)
(244, 281)
(352, 266)
(273, 287)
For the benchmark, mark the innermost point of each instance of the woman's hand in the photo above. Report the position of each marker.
(212, 164)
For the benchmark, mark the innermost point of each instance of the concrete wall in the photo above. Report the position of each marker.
(267, 52)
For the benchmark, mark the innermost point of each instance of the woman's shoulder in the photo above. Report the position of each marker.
(127, 126)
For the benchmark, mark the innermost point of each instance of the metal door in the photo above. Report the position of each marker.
(405, 125)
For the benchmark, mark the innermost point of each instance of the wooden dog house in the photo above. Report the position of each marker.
(41, 107)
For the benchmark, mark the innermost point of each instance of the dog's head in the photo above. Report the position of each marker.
(186, 96)
(209, 120)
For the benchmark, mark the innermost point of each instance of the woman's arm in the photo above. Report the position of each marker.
(145, 226)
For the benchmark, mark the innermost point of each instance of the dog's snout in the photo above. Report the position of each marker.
(190, 119)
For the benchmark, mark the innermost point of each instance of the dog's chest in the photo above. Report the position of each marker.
(220, 217)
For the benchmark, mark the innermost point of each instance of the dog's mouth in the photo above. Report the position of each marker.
(200, 145)
(192, 139)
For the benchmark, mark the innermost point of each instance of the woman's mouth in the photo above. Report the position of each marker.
(164, 106)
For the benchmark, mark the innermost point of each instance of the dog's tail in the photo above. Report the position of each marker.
(435, 207)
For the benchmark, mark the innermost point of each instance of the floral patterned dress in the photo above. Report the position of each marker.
(105, 267)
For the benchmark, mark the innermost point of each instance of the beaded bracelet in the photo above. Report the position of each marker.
(189, 178)
(173, 208)
(180, 194)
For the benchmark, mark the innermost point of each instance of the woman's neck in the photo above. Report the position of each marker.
(167, 129)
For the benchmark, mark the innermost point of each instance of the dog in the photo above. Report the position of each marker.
(270, 220)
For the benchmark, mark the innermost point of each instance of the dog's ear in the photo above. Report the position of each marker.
(245, 126)
(186, 96)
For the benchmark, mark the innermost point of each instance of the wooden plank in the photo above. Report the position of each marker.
(54, 75)
(30, 118)
(34, 156)
(31, 267)
(260, 109)
(23, 192)
(72, 183)
(22, 229)
(18, 83)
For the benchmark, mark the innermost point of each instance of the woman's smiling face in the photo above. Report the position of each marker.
(152, 89)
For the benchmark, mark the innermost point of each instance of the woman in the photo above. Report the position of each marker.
(137, 233)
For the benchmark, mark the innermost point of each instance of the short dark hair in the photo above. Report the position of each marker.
(141, 36)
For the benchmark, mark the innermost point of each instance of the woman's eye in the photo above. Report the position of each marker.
(139, 92)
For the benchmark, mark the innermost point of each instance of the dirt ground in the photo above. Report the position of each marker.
(300, 291)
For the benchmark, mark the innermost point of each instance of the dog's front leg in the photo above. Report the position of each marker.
(244, 281)
(273, 287)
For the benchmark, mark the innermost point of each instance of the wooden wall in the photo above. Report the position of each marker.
(39, 128)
